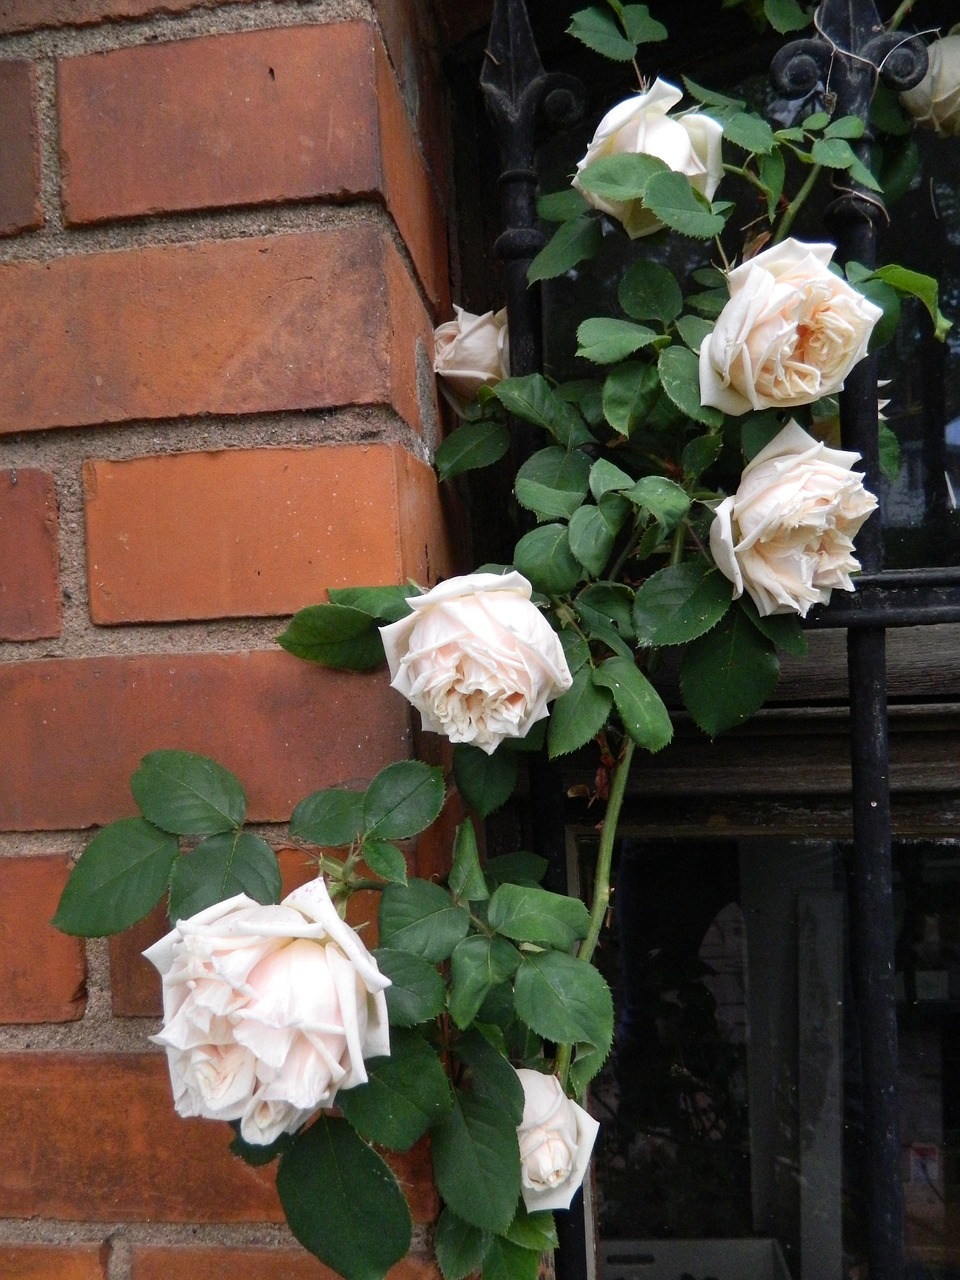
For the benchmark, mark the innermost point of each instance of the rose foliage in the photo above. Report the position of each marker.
(677, 500)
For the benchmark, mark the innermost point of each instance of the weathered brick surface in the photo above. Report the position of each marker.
(251, 1264)
(29, 558)
(298, 321)
(53, 1262)
(97, 1139)
(19, 147)
(75, 730)
(255, 532)
(42, 971)
(260, 117)
(28, 15)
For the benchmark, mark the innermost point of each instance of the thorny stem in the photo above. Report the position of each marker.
(601, 882)
(796, 204)
(902, 11)
(742, 172)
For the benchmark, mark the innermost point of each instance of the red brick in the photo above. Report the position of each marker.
(135, 983)
(75, 730)
(97, 1139)
(149, 1263)
(29, 558)
(300, 321)
(28, 15)
(253, 532)
(19, 147)
(260, 117)
(42, 971)
(53, 1262)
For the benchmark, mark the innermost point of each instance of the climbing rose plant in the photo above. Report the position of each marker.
(681, 499)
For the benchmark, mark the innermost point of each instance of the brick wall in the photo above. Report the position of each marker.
(222, 255)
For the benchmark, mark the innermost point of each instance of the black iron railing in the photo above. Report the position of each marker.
(843, 60)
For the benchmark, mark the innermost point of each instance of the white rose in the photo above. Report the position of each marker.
(477, 659)
(790, 333)
(471, 352)
(786, 536)
(268, 1010)
(556, 1139)
(688, 144)
(935, 101)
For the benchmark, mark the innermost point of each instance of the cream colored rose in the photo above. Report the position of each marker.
(935, 101)
(786, 536)
(688, 144)
(471, 352)
(556, 1139)
(477, 659)
(268, 1010)
(790, 333)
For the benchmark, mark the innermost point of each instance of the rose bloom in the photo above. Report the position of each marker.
(268, 1010)
(786, 536)
(935, 101)
(477, 659)
(688, 144)
(471, 352)
(790, 333)
(556, 1139)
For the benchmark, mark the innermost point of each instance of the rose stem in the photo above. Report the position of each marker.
(901, 12)
(796, 204)
(601, 881)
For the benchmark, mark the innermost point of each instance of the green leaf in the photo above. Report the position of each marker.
(671, 198)
(629, 394)
(402, 800)
(221, 866)
(476, 1161)
(256, 1155)
(640, 707)
(533, 1230)
(607, 341)
(188, 794)
(387, 604)
(578, 715)
(405, 1094)
(504, 1260)
(561, 206)
(536, 915)
(564, 999)
(918, 286)
(570, 244)
(587, 1061)
(466, 880)
(486, 782)
(491, 1075)
(680, 603)
(607, 478)
(728, 674)
(575, 650)
(591, 538)
(693, 330)
(621, 177)
(758, 430)
(420, 917)
(709, 303)
(384, 859)
(710, 97)
(121, 876)
(782, 628)
(700, 453)
(648, 291)
(639, 26)
(477, 964)
(534, 400)
(597, 29)
(664, 499)
(330, 1175)
(785, 15)
(471, 446)
(333, 817)
(458, 1246)
(604, 606)
(836, 153)
(516, 868)
(416, 993)
(845, 127)
(680, 375)
(748, 131)
(544, 557)
(816, 122)
(889, 452)
(773, 172)
(553, 482)
(334, 635)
